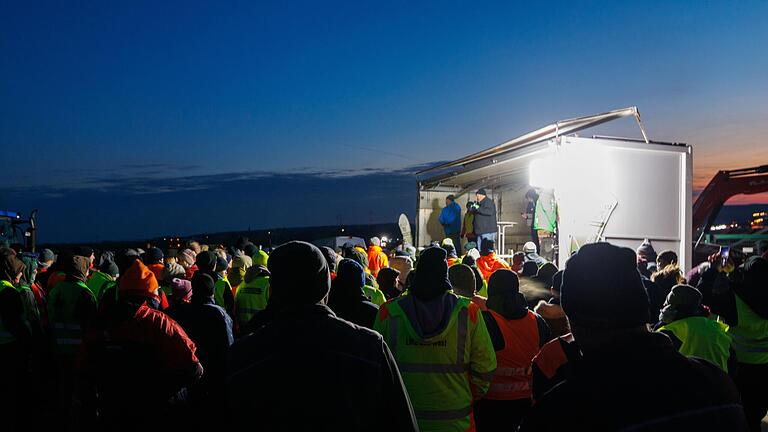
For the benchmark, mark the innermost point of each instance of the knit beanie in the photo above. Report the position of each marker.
(110, 268)
(431, 279)
(181, 290)
(299, 275)
(602, 288)
(138, 279)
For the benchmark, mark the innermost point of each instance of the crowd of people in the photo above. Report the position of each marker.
(446, 337)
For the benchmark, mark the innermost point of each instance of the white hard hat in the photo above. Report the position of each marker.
(448, 241)
(529, 247)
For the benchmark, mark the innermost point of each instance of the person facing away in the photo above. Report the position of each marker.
(517, 334)
(377, 259)
(628, 378)
(389, 282)
(347, 299)
(450, 219)
(441, 346)
(134, 352)
(462, 279)
(551, 310)
(485, 225)
(209, 262)
(687, 324)
(739, 296)
(210, 328)
(302, 366)
(15, 340)
(488, 263)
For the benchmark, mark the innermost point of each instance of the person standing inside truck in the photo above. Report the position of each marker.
(545, 223)
(450, 219)
(485, 218)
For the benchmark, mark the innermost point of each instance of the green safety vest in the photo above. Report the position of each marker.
(545, 215)
(218, 291)
(5, 335)
(750, 337)
(62, 303)
(374, 295)
(98, 282)
(437, 370)
(251, 298)
(702, 337)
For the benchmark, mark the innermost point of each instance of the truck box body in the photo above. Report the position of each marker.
(609, 189)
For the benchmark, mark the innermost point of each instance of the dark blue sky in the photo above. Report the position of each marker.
(97, 98)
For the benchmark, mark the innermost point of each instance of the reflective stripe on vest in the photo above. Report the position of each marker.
(512, 379)
(748, 338)
(461, 340)
(438, 365)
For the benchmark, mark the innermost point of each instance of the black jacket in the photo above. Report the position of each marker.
(305, 369)
(485, 217)
(210, 328)
(641, 383)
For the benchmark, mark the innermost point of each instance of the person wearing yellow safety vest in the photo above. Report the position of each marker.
(687, 324)
(71, 305)
(517, 334)
(441, 346)
(371, 288)
(739, 296)
(236, 273)
(101, 279)
(71, 312)
(15, 339)
(252, 296)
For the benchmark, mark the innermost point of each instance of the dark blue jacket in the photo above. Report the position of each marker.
(450, 218)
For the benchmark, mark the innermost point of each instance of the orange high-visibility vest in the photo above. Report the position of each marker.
(512, 378)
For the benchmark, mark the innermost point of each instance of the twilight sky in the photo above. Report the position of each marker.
(146, 118)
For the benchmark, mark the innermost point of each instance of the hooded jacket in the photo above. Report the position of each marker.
(489, 264)
(377, 259)
(346, 298)
(351, 369)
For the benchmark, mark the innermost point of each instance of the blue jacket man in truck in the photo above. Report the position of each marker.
(450, 219)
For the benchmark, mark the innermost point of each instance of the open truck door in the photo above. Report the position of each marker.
(607, 189)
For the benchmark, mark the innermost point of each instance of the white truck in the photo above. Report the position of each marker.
(611, 189)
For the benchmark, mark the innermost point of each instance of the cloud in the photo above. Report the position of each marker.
(110, 207)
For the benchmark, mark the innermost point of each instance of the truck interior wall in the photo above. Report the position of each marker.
(513, 205)
(431, 202)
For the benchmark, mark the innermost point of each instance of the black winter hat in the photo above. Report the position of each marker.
(299, 276)
(250, 249)
(602, 288)
(153, 255)
(431, 278)
(109, 267)
(171, 253)
(206, 261)
(481, 191)
(202, 286)
(221, 263)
